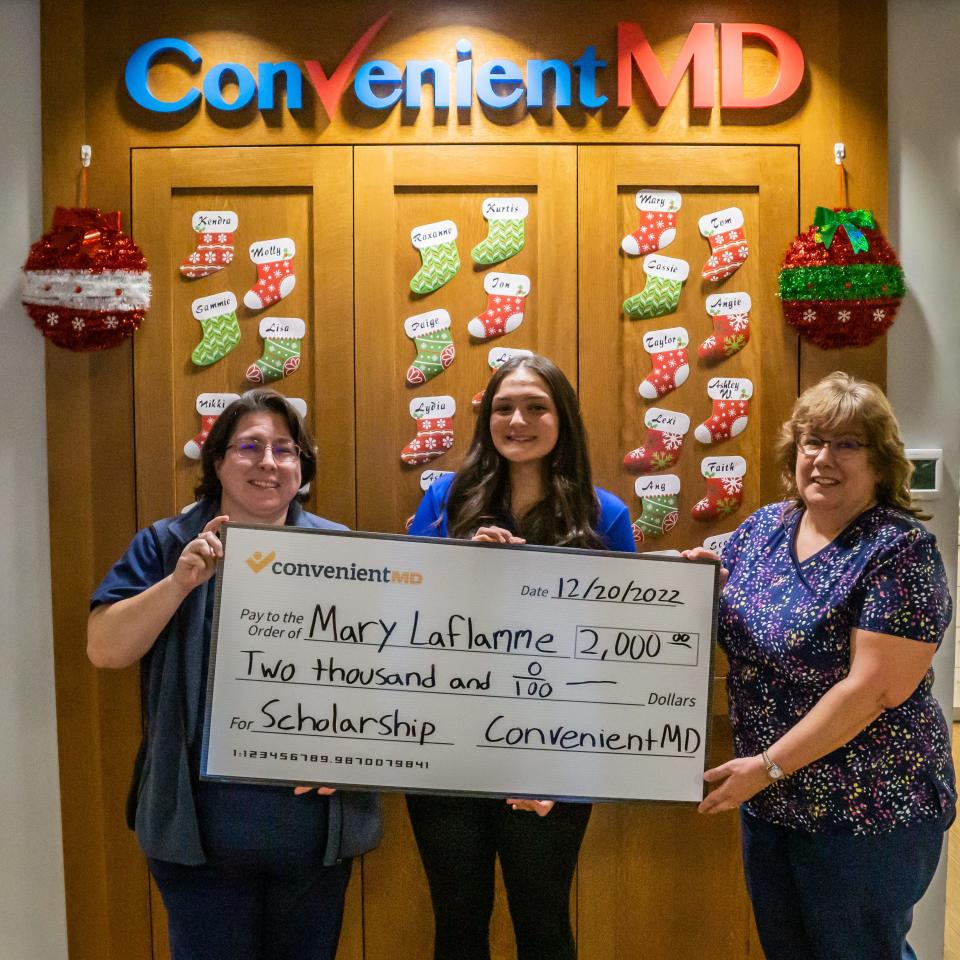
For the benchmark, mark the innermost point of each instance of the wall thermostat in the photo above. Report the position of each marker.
(927, 479)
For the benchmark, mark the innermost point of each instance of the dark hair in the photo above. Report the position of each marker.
(840, 403)
(253, 401)
(480, 493)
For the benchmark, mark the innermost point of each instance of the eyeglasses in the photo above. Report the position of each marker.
(842, 447)
(284, 451)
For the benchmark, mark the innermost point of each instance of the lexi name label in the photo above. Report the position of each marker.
(431, 234)
(266, 251)
(507, 284)
(421, 407)
(722, 304)
(274, 327)
(669, 421)
(205, 221)
(214, 305)
(427, 322)
(505, 208)
(672, 339)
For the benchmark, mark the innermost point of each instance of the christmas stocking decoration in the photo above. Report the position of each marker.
(437, 243)
(281, 349)
(209, 406)
(659, 504)
(435, 351)
(664, 442)
(506, 300)
(728, 245)
(275, 278)
(724, 476)
(217, 315)
(661, 293)
(214, 230)
(497, 357)
(658, 222)
(434, 416)
(671, 365)
(505, 230)
(731, 326)
(730, 396)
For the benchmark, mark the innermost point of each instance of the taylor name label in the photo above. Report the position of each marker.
(440, 665)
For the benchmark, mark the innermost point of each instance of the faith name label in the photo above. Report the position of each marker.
(397, 663)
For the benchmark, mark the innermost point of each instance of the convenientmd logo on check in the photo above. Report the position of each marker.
(259, 562)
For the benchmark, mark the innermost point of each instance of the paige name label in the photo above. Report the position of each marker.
(359, 660)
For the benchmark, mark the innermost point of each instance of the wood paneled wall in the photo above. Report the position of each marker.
(92, 400)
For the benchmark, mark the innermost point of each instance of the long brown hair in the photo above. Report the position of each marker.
(480, 494)
(841, 403)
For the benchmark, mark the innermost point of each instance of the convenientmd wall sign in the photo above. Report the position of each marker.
(457, 80)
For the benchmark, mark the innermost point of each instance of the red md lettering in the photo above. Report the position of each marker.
(785, 49)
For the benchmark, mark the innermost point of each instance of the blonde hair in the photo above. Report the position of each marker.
(841, 403)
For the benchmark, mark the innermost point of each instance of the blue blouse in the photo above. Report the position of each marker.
(785, 627)
(613, 525)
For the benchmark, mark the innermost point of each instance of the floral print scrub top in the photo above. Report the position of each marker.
(785, 627)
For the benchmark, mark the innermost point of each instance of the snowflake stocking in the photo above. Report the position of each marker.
(730, 396)
(281, 349)
(661, 293)
(437, 243)
(506, 218)
(497, 357)
(214, 230)
(209, 406)
(724, 476)
(728, 244)
(275, 278)
(658, 222)
(434, 416)
(731, 326)
(671, 365)
(664, 442)
(659, 505)
(435, 350)
(217, 315)
(506, 302)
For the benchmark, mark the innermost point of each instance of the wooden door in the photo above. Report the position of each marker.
(643, 866)
(304, 194)
(396, 190)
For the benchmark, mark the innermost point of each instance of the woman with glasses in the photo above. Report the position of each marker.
(525, 479)
(834, 605)
(246, 872)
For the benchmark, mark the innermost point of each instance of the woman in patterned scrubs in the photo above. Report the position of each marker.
(834, 605)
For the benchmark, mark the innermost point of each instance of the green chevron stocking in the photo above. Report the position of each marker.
(661, 293)
(438, 251)
(217, 315)
(506, 230)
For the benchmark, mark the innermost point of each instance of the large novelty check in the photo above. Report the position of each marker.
(441, 665)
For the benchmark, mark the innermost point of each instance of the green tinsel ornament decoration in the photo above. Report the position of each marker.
(841, 282)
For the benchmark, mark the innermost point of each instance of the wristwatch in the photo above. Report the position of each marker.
(774, 770)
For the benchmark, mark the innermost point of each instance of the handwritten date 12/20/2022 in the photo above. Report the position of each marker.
(573, 588)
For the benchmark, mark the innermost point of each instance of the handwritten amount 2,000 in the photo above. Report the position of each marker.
(569, 588)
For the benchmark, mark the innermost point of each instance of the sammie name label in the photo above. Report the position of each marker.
(214, 305)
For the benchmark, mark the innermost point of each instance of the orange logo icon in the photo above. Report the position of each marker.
(257, 561)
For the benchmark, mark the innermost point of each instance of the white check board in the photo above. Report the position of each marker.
(448, 666)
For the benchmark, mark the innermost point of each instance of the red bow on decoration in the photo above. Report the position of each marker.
(81, 229)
